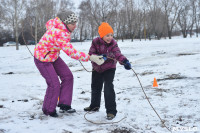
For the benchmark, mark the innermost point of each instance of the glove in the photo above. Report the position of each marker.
(104, 57)
(127, 65)
(98, 59)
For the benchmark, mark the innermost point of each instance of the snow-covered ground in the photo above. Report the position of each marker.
(174, 63)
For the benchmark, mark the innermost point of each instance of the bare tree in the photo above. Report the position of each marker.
(171, 10)
(196, 13)
(185, 17)
(155, 23)
(193, 16)
(14, 13)
(123, 24)
(92, 13)
(63, 5)
(1, 13)
(198, 18)
(139, 19)
(100, 10)
(39, 12)
(130, 13)
(84, 18)
(116, 7)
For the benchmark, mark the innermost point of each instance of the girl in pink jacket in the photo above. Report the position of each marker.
(52, 67)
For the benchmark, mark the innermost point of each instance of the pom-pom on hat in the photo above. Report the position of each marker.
(104, 29)
(67, 17)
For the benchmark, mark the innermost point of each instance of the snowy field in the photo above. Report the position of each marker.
(174, 63)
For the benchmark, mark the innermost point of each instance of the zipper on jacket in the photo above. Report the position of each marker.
(46, 54)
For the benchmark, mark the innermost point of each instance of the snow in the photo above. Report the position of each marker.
(174, 63)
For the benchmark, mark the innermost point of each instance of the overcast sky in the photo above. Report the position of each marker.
(77, 3)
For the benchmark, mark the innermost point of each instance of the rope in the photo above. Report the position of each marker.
(150, 102)
(84, 67)
(124, 117)
(163, 123)
(78, 113)
(25, 40)
(91, 112)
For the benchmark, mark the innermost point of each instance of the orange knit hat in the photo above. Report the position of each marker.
(104, 29)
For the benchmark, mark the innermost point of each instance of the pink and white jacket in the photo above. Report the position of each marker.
(57, 37)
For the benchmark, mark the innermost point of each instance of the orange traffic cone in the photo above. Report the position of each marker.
(155, 83)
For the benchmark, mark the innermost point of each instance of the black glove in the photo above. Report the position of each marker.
(127, 64)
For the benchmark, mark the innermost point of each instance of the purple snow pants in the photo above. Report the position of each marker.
(51, 71)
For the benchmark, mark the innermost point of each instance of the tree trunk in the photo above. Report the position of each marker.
(81, 33)
(184, 32)
(191, 33)
(36, 29)
(170, 34)
(16, 26)
(92, 35)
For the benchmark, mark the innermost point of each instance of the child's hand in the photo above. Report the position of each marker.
(98, 59)
(127, 65)
(104, 57)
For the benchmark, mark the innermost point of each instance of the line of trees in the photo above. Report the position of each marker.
(142, 18)
(130, 19)
(21, 19)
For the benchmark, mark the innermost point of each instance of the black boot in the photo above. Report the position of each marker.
(53, 114)
(110, 116)
(91, 109)
(66, 108)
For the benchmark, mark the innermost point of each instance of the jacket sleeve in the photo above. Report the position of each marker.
(117, 53)
(93, 49)
(63, 41)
